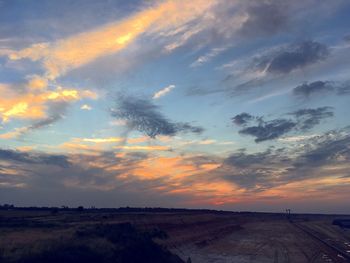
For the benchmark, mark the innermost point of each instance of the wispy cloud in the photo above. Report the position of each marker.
(208, 56)
(73, 52)
(143, 147)
(103, 140)
(163, 92)
(298, 138)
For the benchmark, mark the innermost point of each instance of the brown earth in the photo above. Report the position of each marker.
(200, 236)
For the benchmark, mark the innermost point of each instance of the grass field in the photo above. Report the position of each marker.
(168, 236)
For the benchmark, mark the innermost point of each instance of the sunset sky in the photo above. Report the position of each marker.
(235, 105)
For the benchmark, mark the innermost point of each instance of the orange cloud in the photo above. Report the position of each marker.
(33, 105)
(37, 83)
(143, 147)
(111, 140)
(13, 134)
(313, 188)
(77, 50)
(80, 49)
(79, 148)
(100, 144)
(139, 139)
(103, 140)
(173, 169)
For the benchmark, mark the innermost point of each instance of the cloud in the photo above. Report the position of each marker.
(297, 138)
(55, 113)
(144, 116)
(303, 120)
(208, 56)
(323, 158)
(97, 145)
(126, 175)
(68, 53)
(143, 147)
(269, 130)
(307, 90)
(292, 57)
(343, 89)
(207, 142)
(75, 51)
(242, 119)
(271, 66)
(266, 18)
(36, 82)
(331, 147)
(254, 172)
(22, 104)
(86, 107)
(308, 118)
(242, 159)
(347, 38)
(37, 103)
(201, 179)
(34, 158)
(103, 140)
(111, 140)
(118, 122)
(163, 92)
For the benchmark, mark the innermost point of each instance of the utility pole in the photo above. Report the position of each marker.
(288, 213)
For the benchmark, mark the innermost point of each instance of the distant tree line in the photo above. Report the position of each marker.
(126, 209)
(6, 207)
(343, 223)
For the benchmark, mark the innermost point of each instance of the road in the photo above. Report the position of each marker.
(330, 250)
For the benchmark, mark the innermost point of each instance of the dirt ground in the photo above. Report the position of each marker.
(262, 239)
(200, 236)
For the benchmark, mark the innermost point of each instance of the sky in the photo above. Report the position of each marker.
(222, 104)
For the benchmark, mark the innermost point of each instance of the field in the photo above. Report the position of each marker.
(169, 236)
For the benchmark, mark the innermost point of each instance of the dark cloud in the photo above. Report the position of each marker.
(269, 66)
(308, 118)
(306, 90)
(144, 116)
(56, 113)
(344, 89)
(242, 119)
(186, 127)
(269, 130)
(265, 18)
(347, 38)
(242, 159)
(332, 147)
(292, 57)
(252, 179)
(254, 171)
(34, 158)
(98, 179)
(81, 179)
(273, 167)
(303, 119)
